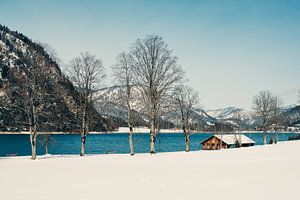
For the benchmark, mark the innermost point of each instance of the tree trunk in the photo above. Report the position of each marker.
(33, 132)
(265, 136)
(187, 141)
(33, 137)
(46, 149)
(46, 144)
(152, 137)
(83, 134)
(83, 139)
(129, 123)
(130, 142)
(276, 136)
(152, 142)
(185, 133)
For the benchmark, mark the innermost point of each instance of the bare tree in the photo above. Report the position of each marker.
(45, 140)
(155, 72)
(32, 97)
(186, 99)
(87, 74)
(53, 55)
(51, 52)
(264, 109)
(278, 118)
(166, 112)
(123, 74)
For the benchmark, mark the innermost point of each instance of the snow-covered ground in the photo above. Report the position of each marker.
(260, 172)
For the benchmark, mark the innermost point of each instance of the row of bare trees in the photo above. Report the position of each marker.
(151, 70)
(150, 78)
(152, 82)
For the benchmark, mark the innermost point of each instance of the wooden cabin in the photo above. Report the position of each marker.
(227, 141)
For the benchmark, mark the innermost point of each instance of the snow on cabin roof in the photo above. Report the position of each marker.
(232, 138)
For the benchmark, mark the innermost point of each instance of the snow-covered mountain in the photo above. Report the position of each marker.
(202, 116)
(110, 104)
(231, 117)
(235, 116)
(245, 119)
(225, 113)
(292, 114)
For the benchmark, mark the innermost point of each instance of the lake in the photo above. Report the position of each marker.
(19, 145)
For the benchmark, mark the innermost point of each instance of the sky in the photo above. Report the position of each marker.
(229, 49)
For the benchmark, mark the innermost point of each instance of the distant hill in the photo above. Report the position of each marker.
(293, 115)
(235, 116)
(245, 119)
(16, 54)
(107, 106)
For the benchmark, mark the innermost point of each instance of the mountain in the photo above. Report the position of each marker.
(245, 119)
(292, 113)
(109, 103)
(200, 114)
(60, 110)
(227, 119)
(235, 116)
(201, 120)
(225, 113)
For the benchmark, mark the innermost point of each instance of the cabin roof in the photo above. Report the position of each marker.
(232, 138)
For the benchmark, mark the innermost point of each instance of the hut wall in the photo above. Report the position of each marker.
(213, 144)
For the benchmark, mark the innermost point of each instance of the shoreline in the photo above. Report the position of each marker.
(50, 156)
(115, 132)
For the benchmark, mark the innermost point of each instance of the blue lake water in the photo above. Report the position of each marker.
(19, 145)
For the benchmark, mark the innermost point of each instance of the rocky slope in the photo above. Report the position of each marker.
(60, 107)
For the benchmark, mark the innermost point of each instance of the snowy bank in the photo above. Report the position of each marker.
(260, 172)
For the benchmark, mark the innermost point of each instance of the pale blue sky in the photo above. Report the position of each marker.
(230, 49)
